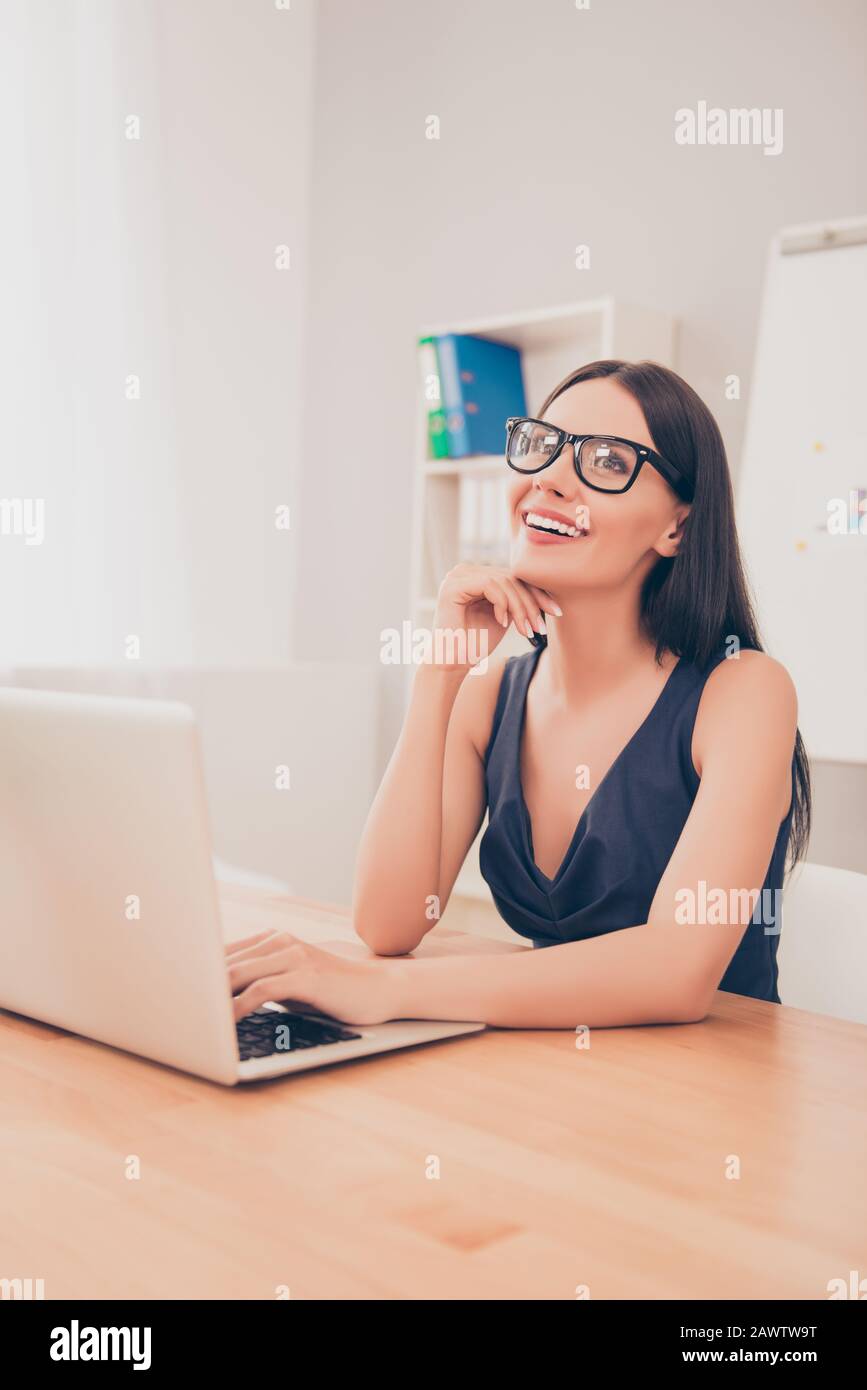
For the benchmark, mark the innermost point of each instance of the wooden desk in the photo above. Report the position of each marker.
(559, 1167)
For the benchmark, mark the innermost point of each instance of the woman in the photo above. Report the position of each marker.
(641, 766)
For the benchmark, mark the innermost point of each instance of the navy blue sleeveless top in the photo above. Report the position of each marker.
(624, 838)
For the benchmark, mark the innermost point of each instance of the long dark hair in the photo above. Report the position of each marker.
(695, 602)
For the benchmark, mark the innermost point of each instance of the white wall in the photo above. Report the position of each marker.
(556, 130)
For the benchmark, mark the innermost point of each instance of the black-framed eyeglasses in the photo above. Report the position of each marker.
(604, 462)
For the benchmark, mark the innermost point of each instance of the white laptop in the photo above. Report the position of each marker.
(109, 918)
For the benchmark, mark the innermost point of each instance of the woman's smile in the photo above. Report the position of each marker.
(544, 527)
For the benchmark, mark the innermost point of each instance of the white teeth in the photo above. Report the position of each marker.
(549, 524)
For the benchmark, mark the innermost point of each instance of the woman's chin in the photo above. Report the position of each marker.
(536, 564)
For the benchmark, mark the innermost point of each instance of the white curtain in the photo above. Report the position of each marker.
(84, 328)
(152, 259)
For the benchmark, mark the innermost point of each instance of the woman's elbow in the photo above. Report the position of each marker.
(692, 1005)
(384, 938)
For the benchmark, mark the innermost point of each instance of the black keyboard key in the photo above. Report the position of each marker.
(266, 1032)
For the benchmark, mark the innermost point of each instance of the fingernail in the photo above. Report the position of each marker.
(557, 609)
(505, 622)
(540, 626)
(530, 633)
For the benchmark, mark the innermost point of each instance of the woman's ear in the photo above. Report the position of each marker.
(669, 542)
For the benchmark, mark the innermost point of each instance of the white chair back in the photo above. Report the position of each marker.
(822, 953)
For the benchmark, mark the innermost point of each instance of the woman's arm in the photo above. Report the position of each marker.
(424, 818)
(431, 803)
(659, 971)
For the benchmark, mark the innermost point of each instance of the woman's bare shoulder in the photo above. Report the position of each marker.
(751, 694)
(750, 675)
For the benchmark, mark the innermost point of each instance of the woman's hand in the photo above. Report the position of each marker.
(275, 966)
(481, 601)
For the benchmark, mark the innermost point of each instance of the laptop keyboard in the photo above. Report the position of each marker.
(266, 1032)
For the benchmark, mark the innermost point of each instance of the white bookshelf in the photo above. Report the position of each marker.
(552, 342)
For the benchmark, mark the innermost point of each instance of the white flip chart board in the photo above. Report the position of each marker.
(802, 487)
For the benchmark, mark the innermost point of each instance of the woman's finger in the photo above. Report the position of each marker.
(268, 946)
(512, 604)
(530, 620)
(495, 593)
(284, 987)
(246, 941)
(544, 600)
(256, 967)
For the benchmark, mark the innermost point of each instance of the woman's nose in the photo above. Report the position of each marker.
(561, 476)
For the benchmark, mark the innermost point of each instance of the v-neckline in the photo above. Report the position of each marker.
(525, 810)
